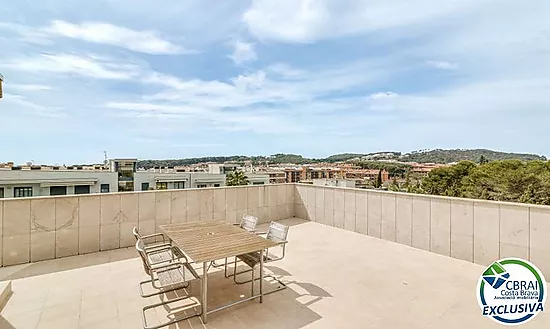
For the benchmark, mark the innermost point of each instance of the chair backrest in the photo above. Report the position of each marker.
(140, 247)
(249, 222)
(136, 234)
(277, 232)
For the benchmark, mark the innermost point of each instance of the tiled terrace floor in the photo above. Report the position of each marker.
(337, 279)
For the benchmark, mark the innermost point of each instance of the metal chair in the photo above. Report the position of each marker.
(278, 233)
(153, 247)
(171, 276)
(150, 240)
(248, 223)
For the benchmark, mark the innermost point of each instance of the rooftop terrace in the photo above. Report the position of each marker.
(356, 258)
(337, 279)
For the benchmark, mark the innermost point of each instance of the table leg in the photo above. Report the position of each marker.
(204, 291)
(261, 276)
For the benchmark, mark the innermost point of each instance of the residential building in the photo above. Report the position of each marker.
(119, 176)
(276, 177)
(367, 174)
(27, 183)
(125, 168)
(162, 180)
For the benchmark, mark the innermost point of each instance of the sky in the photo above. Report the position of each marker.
(187, 78)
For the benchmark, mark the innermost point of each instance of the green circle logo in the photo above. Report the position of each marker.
(511, 291)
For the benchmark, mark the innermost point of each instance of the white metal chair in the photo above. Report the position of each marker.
(170, 276)
(248, 223)
(278, 233)
(150, 240)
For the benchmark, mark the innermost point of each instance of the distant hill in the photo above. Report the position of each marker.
(342, 157)
(448, 156)
(426, 156)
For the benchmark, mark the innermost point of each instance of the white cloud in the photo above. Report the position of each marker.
(312, 20)
(286, 71)
(88, 66)
(385, 95)
(243, 52)
(104, 33)
(443, 65)
(29, 87)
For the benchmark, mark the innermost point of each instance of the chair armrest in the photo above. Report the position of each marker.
(163, 245)
(172, 264)
(156, 250)
(149, 236)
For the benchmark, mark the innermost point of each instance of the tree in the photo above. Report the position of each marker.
(378, 183)
(448, 181)
(394, 185)
(236, 178)
(483, 160)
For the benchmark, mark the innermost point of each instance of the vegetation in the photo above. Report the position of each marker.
(394, 169)
(378, 182)
(507, 180)
(367, 161)
(448, 156)
(342, 157)
(236, 178)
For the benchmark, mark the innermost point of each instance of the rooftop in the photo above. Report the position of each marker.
(336, 279)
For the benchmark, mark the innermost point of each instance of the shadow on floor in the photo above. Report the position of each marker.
(287, 308)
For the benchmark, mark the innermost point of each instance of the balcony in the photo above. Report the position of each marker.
(341, 269)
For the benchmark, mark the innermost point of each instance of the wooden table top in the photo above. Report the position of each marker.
(209, 241)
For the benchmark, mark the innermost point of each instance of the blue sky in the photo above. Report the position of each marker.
(181, 78)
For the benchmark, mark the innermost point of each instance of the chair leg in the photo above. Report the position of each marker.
(281, 287)
(234, 264)
(252, 283)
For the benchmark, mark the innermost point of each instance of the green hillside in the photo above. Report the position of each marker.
(448, 156)
(369, 159)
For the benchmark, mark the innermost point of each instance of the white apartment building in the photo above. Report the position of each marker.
(121, 175)
(27, 183)
(158, 180)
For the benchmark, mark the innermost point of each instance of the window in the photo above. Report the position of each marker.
(201, 185)
(162, 186)
(105, 188)
(145, 186)
(216, 185)
(258, 183)
(1, 192)
(179, 185)
(22, 192)
(58, 190)
(82, 189)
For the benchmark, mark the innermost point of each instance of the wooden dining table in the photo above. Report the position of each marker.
(207, 241)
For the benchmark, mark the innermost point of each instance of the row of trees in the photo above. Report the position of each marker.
(507, 180)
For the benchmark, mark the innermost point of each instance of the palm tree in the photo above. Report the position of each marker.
(236, 178)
